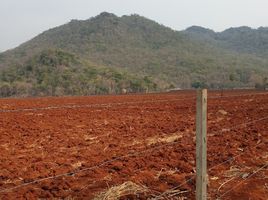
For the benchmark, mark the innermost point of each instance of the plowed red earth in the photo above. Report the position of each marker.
(77, 147)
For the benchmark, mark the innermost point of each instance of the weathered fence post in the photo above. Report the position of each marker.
(201, 145)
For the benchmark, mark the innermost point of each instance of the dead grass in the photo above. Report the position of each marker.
(116, 192)
(234, 171)
(171, 194)
(223, 112)
(166, 172)
(154, 140)
(167, 139)
(77, 164)
(89, 138)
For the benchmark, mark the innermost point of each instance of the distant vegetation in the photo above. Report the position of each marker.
(242, 39)
(109, 54)
(54, 72)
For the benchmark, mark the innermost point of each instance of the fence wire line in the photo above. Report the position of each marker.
(226, 161)
(88, 168)
(190, 179)
(74, 172)
(213, 132)
(221, 131)
(242, 181)
(105, 105)
(123, 103)
(238, 125)
(239, 95)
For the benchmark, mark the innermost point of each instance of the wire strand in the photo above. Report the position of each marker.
(106, 162)
(187, 181)
(120, 157)
(123, 103)
(87, 169)
(106, 105)
(211, 168)
(240, 182)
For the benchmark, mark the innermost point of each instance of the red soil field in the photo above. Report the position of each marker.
(78, 147)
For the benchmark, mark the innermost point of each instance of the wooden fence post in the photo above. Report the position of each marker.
(201, 145)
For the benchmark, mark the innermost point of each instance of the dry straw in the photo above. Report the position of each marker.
(125, 189)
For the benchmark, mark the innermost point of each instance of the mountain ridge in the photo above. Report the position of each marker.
(150, 56)
(242, 39)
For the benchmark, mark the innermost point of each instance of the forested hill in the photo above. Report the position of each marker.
(108, 54)
(241, 39)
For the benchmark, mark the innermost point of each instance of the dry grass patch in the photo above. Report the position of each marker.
(223, 112)
(77, 165)
(166, 172)
(171, 194)
(116, 192)
(154, 140)
(234, 171)
(167, 139)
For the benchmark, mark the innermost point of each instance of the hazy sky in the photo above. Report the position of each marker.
(21, 20)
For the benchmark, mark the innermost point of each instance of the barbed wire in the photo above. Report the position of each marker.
(213, 132)
(220, 164)
(242, 181)
(74, 172)
(239, 95)
(119, 103)
(238, 125)
(211, 168)
(94, 105)
(221, 131)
